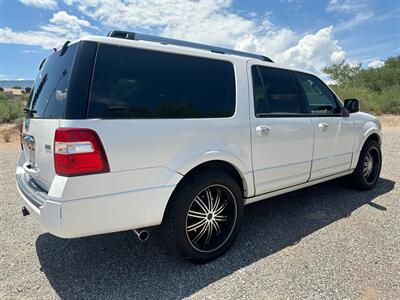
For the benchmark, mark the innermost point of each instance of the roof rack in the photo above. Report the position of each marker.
(151, 38)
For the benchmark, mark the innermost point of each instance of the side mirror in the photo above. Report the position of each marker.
(352, 105)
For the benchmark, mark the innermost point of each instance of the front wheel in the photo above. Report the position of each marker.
(368, 169)
(205, 216)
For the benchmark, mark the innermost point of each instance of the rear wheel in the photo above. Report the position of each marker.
(205, 215)
(366, 174)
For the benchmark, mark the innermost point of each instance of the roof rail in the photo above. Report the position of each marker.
(151, 38)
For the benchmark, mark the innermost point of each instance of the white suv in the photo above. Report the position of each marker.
(130, 131)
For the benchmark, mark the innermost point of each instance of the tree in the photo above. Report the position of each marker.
(343, 73)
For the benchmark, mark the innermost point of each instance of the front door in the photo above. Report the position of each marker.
(333, 132)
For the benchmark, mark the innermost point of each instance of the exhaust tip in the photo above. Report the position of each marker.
(142, 235)
(25, 211)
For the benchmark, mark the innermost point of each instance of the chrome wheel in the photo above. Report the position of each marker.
(211, 218)
(371, 165)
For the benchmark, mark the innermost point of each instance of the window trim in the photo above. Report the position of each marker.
(235, 83)
(302, 103)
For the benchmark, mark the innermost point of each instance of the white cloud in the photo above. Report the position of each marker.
(62, 27)
(28, 51)
(48, 4)
(63, 24)
(313, 51)
(209, 21)
(270, 43)
(358, 12)
(62, 17)
(33, 38)
(345, 6)
(377, 63)
(206, 21)
(215, 22)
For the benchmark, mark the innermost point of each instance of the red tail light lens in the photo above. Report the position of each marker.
(79, 151)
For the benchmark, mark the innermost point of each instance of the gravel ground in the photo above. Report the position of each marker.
(326, 241)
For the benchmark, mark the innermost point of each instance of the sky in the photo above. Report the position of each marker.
(306, 34)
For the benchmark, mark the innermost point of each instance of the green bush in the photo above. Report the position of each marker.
(10, 110)
(2, 96)
(386, 101)
(378, 89)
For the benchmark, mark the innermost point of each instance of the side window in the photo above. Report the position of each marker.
(137, 83)
(320, 99)
(274, 91)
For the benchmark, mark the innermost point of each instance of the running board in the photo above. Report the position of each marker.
(295, 187)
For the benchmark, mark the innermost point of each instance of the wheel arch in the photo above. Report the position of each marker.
(216, 164)
(371, 134)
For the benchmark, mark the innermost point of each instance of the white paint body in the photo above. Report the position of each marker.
(149, 157)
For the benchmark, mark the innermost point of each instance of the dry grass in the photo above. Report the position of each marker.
(7, 136)
(390, 120)
(9, 133)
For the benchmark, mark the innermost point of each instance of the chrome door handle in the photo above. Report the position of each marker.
(263, 130)
(323, 126)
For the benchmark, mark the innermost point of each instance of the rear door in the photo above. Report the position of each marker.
(45, 108)
(333, 132)
(282, 134)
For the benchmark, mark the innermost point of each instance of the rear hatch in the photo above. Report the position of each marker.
(46, 106)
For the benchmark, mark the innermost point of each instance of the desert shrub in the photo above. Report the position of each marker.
(368, 100)
(386, 101)
(10, 110)
(7, 136)
(378, 89)
(389, 99)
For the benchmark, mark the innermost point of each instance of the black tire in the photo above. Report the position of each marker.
(361, 179)
(184, 227)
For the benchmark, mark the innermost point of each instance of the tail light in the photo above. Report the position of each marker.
(79, 151)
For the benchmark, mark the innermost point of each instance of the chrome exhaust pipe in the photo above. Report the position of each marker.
(142, 235)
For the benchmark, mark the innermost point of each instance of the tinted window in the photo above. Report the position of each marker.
(50, 89)
(137, 83)
(274, 91)
(320, 99)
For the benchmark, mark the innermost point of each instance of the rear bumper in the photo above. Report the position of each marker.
(94, 215)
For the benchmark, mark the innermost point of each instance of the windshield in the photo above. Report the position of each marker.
(50, 89)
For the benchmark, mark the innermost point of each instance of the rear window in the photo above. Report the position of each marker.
(50, 89)
(137, 83)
